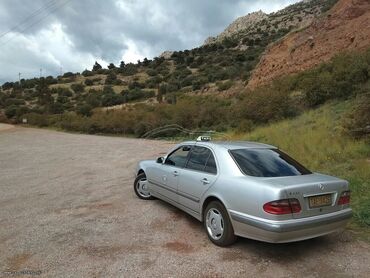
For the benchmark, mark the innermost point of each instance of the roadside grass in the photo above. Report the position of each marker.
(317, 139)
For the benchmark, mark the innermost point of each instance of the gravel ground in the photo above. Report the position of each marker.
(67, 209)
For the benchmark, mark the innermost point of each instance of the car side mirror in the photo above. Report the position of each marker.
(160, 160)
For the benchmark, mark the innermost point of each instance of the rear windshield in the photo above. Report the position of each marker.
(267, 163)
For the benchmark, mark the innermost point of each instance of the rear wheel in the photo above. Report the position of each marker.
(218, 225)
(141, 187)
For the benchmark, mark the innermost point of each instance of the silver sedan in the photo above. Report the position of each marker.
(246, 189)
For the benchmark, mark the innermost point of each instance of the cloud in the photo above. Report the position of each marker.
(73, 34)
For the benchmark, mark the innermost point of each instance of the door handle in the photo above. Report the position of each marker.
(175, 173)
(205, 181)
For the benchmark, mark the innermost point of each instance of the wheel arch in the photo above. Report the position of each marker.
(141, 171)
(206, 201)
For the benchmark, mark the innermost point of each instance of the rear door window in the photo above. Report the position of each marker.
(201, 159)
(211, 165)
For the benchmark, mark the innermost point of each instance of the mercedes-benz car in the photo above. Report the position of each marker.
(246, 189)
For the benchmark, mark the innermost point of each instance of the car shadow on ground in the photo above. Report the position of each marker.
(276, 252)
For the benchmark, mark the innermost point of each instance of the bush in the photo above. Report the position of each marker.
(13, 101)
(36, 119)
(62, 91)
(137, 94)
(151, 72)
(340, 78)
(78, 88)
(84, 110)
(69, 74)
(111, 77)
(357, 122)
(129, 69)
(110, 98)
(222, 86)
(265, 104)
(11, 111)
(89, 82)
(87, 73)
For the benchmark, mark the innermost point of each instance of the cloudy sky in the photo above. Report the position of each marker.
(69, 35)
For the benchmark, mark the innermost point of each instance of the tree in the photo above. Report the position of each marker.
(43, 93)
(146, 62)
(96, 66)
(122, 65)
(7, 85)
(111, 66)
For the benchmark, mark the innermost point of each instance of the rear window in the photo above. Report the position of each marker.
(267, 163)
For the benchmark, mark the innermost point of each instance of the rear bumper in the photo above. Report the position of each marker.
(288, 230)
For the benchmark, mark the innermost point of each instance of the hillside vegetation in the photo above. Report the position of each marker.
(222, 66)
(346, 76)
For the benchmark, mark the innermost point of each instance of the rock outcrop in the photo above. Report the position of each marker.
(345, 27)
(240, 24)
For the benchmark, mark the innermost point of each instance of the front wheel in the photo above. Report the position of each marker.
(141, 187)
(218, 225)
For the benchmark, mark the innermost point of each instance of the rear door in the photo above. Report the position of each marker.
(198, 175)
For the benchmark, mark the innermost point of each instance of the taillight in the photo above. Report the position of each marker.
(344, 199)
(284, 206)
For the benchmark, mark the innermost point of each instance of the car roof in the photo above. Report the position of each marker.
(232, 145)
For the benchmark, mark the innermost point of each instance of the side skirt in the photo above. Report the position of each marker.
(183, 208)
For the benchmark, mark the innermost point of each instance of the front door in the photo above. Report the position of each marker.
(167, 176)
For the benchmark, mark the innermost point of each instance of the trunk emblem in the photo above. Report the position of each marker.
(321, 186)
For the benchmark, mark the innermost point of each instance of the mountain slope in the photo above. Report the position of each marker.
(254, 26)
(345, 27)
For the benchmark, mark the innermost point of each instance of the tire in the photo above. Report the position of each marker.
(140, 191)
(219, 230)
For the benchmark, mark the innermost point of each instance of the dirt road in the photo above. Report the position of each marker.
(67, 209)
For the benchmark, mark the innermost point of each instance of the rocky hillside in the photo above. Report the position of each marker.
(254, 25)
(222, 67)
(345, 27)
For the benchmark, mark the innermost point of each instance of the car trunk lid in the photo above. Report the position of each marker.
(317, 193)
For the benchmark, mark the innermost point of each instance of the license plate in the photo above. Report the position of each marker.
(319, 201)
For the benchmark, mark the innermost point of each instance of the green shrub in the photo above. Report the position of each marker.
(111, 99)
(13, 102)
(137, 94)
(111, 78)
(89, 82)
(36, 119)
(84, 110)
(87, 73)
(78, 88)
(69, 74)
(265, 105)
(11, 111)
(223, 86)
(357, 121)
